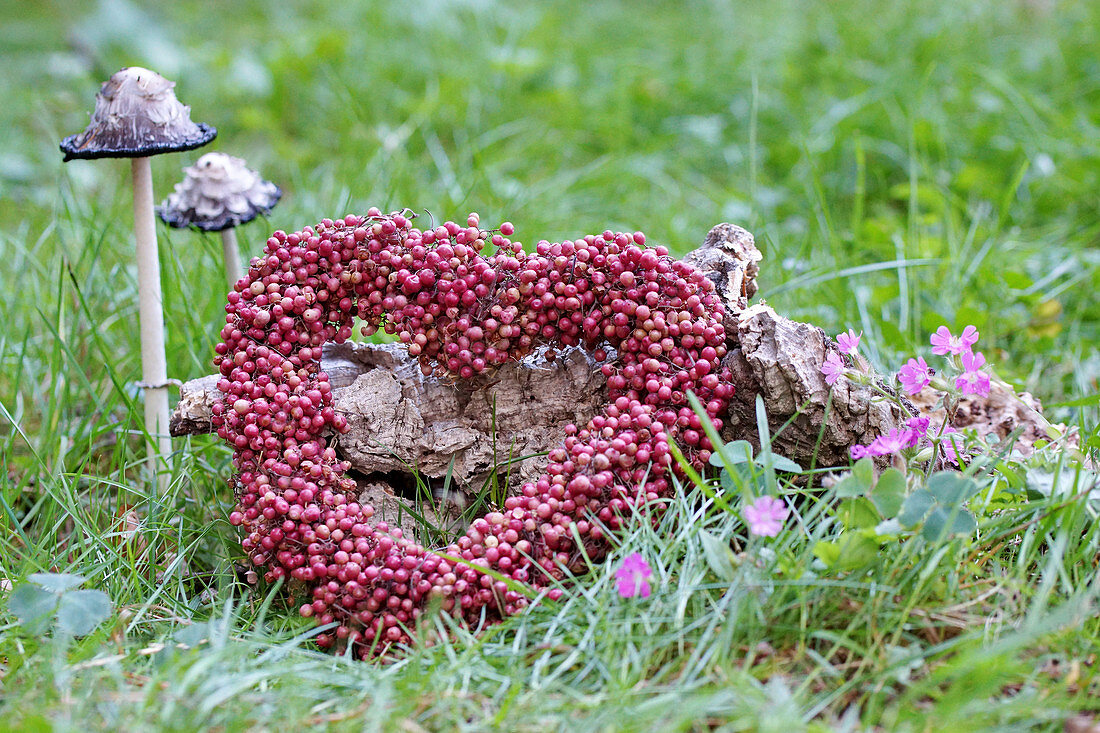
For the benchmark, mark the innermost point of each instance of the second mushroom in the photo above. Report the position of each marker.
(220, 192)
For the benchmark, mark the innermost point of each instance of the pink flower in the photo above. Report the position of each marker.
(765, 516)
(972, 360)
(915, 375)
(973, 380)
(944, 343)
(832, 368)
(858, 451)
(918, 427)
(849, 342)
(952, 446)
(631, 576)
(953, 452)
(892, 442)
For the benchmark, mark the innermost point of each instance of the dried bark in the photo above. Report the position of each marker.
(401, 422)
(191, 415)
(780, 360)
(729, 258)
(998, 416)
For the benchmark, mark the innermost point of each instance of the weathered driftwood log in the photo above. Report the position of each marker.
(401, 422)
(780, 360)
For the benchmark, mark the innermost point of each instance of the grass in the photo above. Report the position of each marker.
(902, 165)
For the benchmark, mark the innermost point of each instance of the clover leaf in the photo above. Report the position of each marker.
(56, 597)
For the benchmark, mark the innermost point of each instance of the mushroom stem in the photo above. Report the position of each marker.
(233, 269)
(154, 371)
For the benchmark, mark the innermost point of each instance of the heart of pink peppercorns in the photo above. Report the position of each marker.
(460, 313)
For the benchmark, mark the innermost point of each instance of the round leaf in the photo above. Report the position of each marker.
(717, 554)
(945, 522)
(858, 514)
(952, 488)
(780, 463)
(32, 606)
(889, 493)
(915, 507)
(81, 611)
(864, 471)
(827, 552)
(56, 582)
(849, 487)
(739, 451)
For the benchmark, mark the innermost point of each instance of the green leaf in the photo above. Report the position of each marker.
(194, 634)
(56, 582)
(81, 611)
(1016, 280)
(952, 488)
(32, 606)
(717, 554)
(739, 451)
(827, 552)
(915, 507)
(963, 522)
(934, 524)
(1093, 399)
(857, 549)
(858, 513)
(35, 723)
(849, 487)
(780, 463)
(864, 472)
(944, 521)
(762, 428)
(889, 493)
(888, 528)
(1016, 479)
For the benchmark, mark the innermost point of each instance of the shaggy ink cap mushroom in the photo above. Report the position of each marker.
(137, 115)
(218, 192)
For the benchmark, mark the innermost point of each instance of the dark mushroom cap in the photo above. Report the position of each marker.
(217, 193)
(137, 115)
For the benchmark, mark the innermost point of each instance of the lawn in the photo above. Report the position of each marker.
(902, 166)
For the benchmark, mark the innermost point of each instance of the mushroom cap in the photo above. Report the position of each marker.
(137, 115)
(216, 193)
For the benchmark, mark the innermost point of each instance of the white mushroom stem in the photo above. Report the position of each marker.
(233, 269)
(154, 370)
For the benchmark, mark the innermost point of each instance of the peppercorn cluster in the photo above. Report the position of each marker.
(462, 314)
